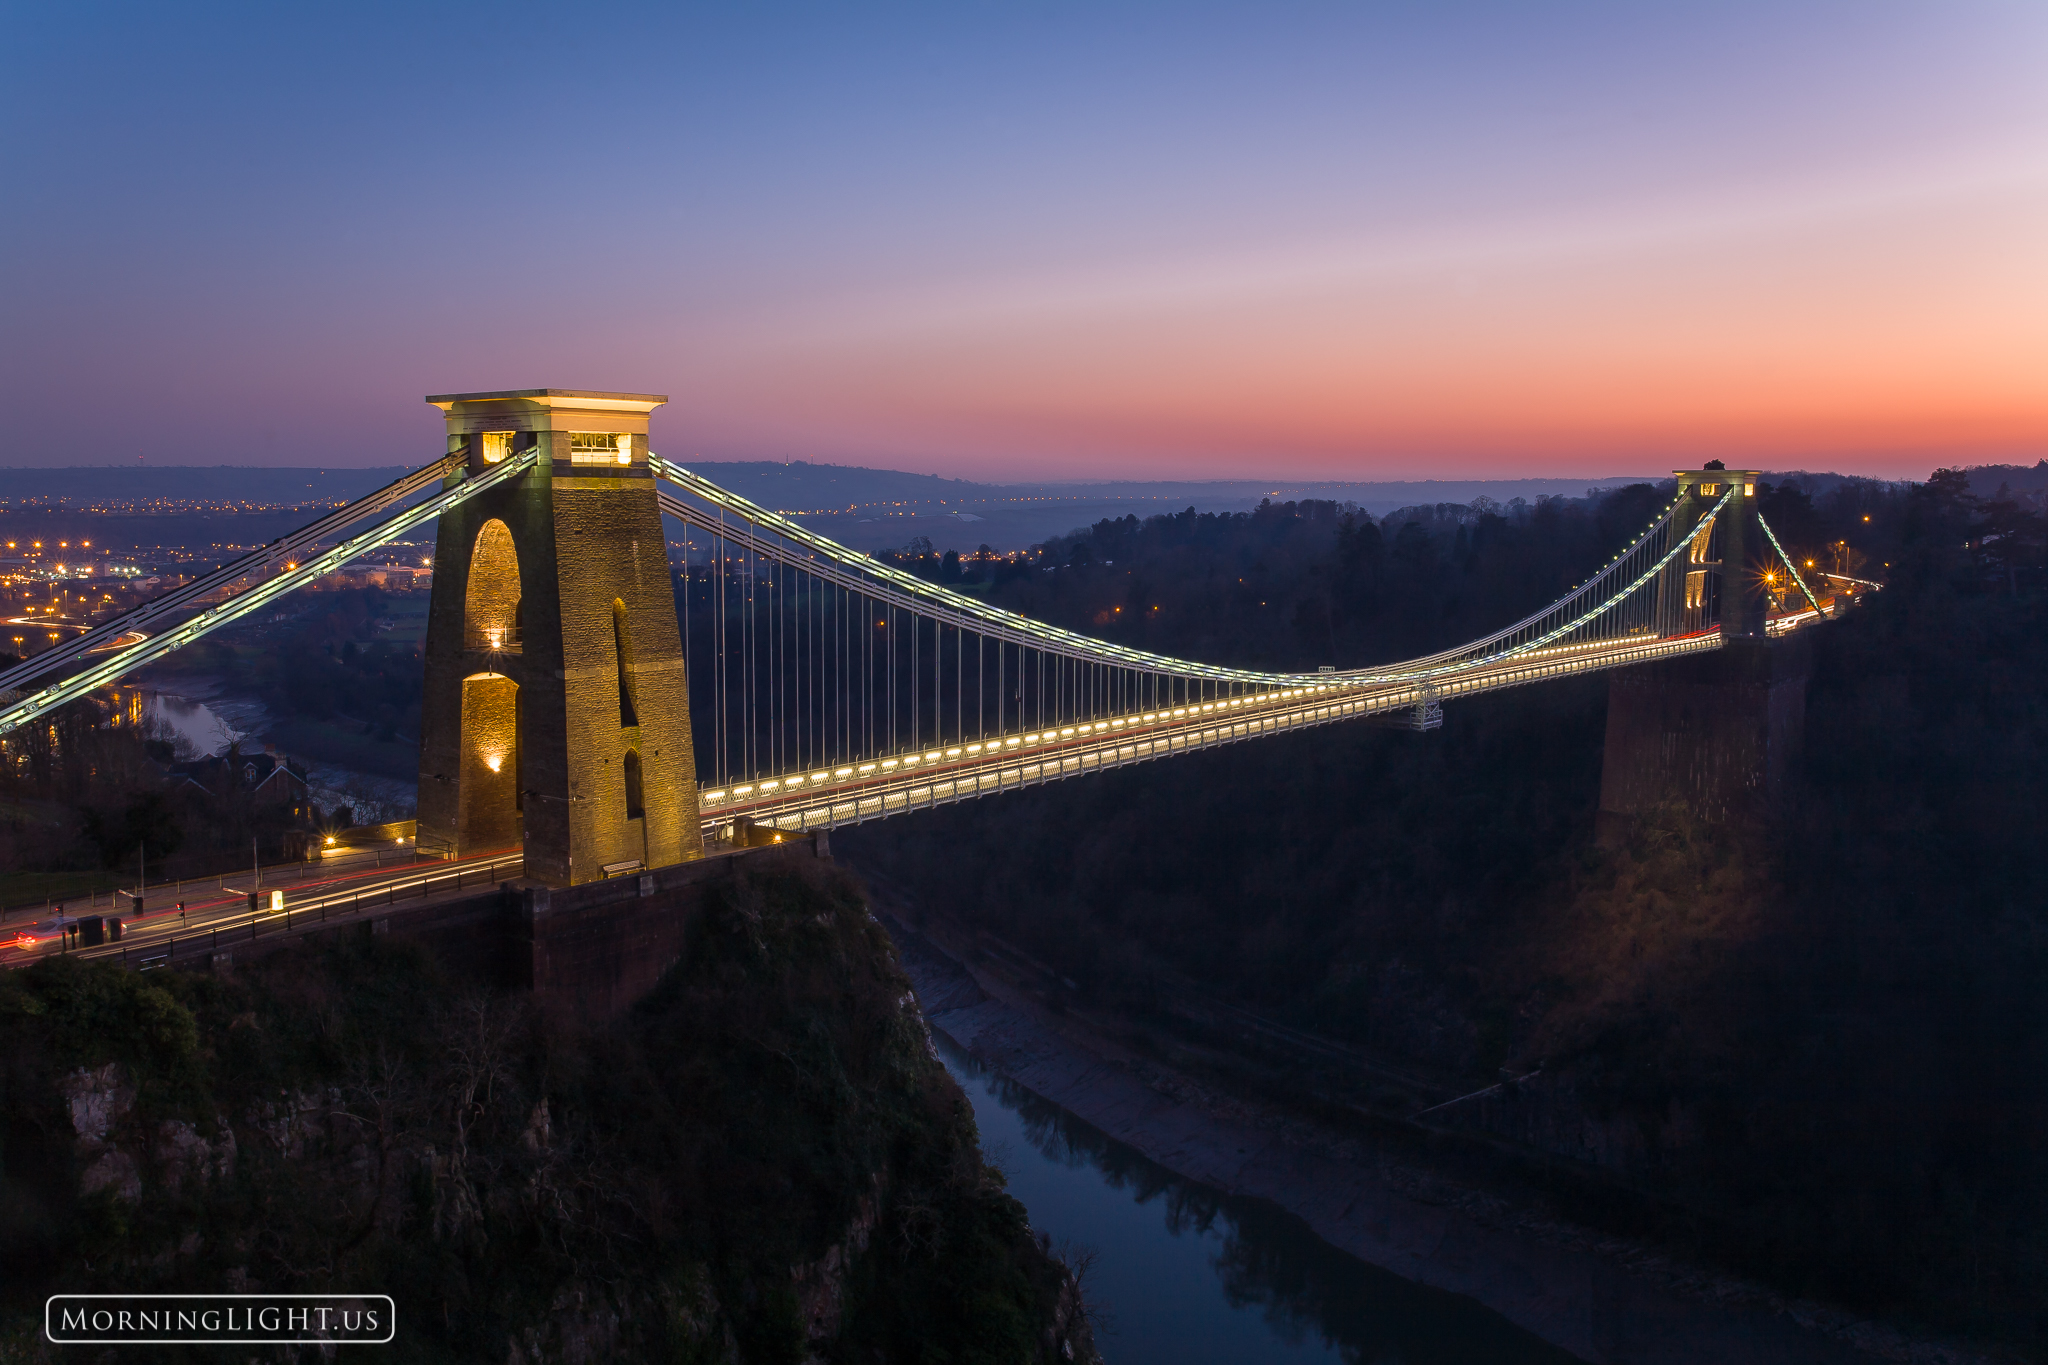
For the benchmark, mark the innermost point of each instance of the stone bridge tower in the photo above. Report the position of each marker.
(556, 710)
(1713, 734)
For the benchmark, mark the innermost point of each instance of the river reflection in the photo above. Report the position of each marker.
(1192, 1276)
(203, 728)
(196, 729)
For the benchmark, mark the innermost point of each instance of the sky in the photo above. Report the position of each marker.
(1037, 240)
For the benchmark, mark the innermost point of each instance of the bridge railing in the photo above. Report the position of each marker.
(766, 533)
(153, 615)
(762, 532)
(110, 667)
(1629, 598)
(886, 663)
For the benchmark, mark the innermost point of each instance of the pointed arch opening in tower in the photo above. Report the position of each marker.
(491, 612)
(636, 805)
(622, 641)
(492, 762)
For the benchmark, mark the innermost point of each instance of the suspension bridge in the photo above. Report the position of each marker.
(577, 706)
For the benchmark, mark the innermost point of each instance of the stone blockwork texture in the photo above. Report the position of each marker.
(1715, 733)
(524, 508)
(489, 790)
(589, 950)
(584, 544)
(610, 549)
(491, 600)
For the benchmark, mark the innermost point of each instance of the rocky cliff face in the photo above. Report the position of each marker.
(764, 1162)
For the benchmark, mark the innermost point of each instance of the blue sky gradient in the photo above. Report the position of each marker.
(1038, 240)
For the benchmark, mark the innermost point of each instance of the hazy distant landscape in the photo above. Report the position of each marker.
(869, 509)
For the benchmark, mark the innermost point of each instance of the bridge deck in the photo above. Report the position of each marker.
(915, 780)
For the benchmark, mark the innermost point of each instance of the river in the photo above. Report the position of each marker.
(198, 727)
(1186, 1275)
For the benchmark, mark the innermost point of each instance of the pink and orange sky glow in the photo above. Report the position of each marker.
(1062, 241)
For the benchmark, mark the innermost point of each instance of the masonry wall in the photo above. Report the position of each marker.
(592, 570)
(468, 936)
(591, 951)
(452, 656)
(489, 763)
(611, 553)
(1714, 733)
(588, 951)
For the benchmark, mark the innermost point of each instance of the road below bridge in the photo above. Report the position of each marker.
(217, 915)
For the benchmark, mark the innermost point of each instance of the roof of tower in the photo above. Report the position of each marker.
(584, 398)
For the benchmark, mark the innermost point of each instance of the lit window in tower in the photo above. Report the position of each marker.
(600, 447)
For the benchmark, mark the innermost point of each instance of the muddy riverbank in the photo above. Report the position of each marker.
(1604, 1299)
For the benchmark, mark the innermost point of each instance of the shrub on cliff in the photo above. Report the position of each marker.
(761, 1162)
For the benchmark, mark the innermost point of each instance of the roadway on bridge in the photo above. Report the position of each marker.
(916, 779)
(356, 884)
(217, 915)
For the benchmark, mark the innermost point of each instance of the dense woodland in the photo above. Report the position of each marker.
(764, 1161)
(1826, 1026)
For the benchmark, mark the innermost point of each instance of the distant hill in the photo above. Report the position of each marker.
(868, 509)
(798, 486)
(873, 509)
(194, 483)
(1985, 478)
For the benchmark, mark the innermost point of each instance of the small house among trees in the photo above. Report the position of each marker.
(269, 779)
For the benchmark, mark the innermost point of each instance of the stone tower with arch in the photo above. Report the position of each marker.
(556, 711)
